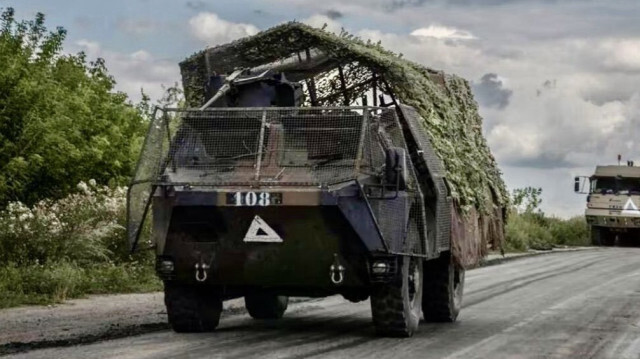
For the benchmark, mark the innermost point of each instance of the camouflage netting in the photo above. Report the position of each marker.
(445, 103)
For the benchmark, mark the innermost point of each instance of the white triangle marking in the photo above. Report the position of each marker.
(630, 208)
(269, 235)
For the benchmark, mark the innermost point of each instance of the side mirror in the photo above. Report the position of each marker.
(579, 184)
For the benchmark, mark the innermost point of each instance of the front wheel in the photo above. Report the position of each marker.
(191, 308)
(443, 288)
(629, 239)
(601, 236)
(395, 306)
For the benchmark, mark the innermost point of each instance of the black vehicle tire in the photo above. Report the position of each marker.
(264, 305)
(601, 236)
(443, 289)
(395, 306)
(192, 309)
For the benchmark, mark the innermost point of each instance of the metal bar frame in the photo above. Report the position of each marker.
(343, 86)
(274, 109)
(363, 132)
(366, 112)
(133, 182)
(260, 145)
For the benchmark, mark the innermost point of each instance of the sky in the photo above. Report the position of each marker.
(557, 81)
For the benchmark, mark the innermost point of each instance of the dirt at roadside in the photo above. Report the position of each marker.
(76, 321)
(87, 320)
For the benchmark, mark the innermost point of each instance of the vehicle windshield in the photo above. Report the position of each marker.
(615, 185)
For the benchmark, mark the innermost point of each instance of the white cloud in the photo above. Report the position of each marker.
(133, 71)
(319, 21)
(443, 32)
(620, 54)
(211, 29)
(452, 56)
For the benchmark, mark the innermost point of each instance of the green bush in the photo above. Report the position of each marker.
(528, 228)
(38, 284)
(122, 278)
(62, 249)
(56, 282)
(535, 231)
(527, 231)
(81, 228)
(570, 232)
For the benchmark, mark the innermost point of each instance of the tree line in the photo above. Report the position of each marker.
(61, 120)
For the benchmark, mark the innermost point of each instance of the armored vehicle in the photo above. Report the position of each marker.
(612, 203)
(296, 170)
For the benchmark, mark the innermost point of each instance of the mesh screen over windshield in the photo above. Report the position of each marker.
(293, 146)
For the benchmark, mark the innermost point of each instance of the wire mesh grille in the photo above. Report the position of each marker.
(440, 226)
(292, 146)
(401, 220)
(141, 188)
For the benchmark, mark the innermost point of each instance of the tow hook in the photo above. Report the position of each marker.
(201, 271)
(336, 271)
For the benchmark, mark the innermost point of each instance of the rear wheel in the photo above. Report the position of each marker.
(443, 288)
(601, 236)
(192, 309)
(395, 306)
(264, 305)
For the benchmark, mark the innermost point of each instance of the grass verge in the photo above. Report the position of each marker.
(536, 231)
(56, 282)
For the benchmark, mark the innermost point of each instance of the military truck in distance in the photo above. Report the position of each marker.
(613, 203)
(280, 179)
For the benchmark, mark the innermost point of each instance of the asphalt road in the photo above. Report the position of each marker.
(569, 305)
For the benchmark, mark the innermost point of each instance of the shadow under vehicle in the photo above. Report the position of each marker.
(285, 182)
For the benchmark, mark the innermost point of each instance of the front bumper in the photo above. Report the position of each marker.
(613, 220)
(316, 230)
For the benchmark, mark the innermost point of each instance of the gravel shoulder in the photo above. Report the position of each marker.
(105, 317)
(79, 321)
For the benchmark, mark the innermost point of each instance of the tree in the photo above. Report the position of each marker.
(526, 200)
(61, 121)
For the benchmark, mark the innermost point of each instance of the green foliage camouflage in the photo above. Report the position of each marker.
(445, 102)
(60, 119)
